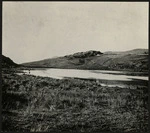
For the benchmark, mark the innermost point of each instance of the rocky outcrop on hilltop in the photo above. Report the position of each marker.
(85, 54)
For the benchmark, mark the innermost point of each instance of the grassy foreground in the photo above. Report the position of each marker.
(31, 103)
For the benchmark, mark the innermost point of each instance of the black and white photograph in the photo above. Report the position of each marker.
(75, 66)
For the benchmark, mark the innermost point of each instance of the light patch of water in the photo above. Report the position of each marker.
(85, 74)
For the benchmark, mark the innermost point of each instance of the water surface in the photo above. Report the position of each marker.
(86, 74)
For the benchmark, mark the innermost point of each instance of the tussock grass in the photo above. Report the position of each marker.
(33, 103)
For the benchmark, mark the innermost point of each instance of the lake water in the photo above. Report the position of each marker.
(86, 74)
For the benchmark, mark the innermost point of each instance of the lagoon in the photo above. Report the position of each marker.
(85, 74)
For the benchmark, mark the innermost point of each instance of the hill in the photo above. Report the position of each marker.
(134, 51)
(134, 60)
(7, 62)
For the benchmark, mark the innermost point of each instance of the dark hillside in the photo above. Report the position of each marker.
(7, 62)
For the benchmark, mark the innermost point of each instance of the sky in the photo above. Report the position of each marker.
(34, 31)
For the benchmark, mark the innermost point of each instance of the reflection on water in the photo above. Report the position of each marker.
(86, 74)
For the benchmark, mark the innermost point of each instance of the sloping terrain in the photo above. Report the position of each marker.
(135, 60)
(134, 51)
(7, 62)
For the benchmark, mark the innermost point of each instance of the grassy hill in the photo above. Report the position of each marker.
(7, 62)
(134, 51)
(134, 60)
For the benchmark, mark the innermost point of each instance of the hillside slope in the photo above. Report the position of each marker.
(7, 62)
(134, 60)
(134, 51)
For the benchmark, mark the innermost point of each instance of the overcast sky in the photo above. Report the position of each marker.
(38, 30)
